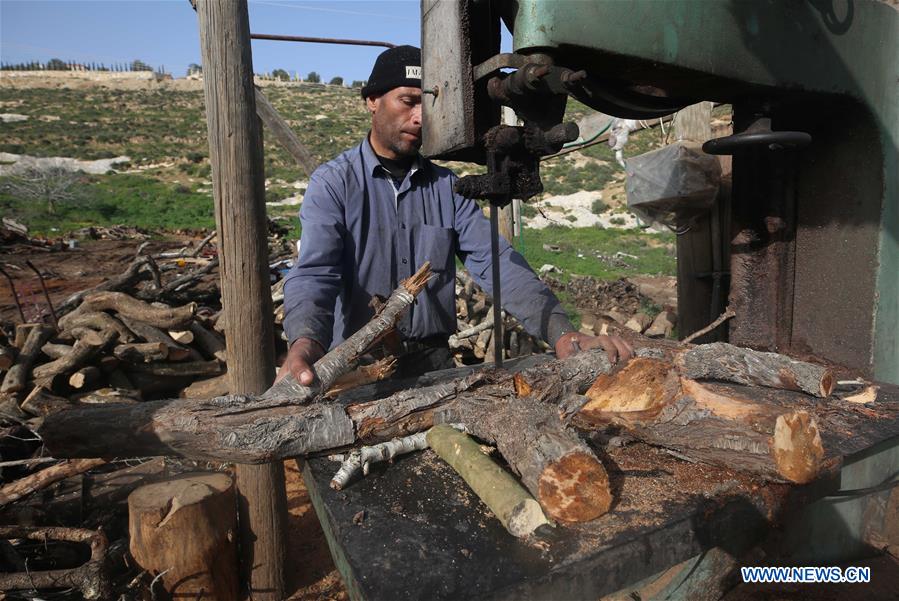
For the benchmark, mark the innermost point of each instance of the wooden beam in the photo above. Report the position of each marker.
(284, 134)
(238, 183)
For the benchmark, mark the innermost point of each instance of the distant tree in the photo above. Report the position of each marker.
(139, 65)
(358, 83)
(50, 186)
(281, 74)
(314, 77)
(336, 81)
(194, 68)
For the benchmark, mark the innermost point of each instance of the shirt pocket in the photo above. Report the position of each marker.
(437, 245)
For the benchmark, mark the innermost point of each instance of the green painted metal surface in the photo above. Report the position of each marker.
(736, 47)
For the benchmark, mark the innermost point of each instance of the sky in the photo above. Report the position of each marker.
(163, 33)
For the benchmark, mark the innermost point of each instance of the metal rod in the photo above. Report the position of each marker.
(46, 294)
(498, 344)
(303, 38)
(15, 295)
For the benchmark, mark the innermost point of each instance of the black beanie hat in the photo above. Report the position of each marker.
(394, 68)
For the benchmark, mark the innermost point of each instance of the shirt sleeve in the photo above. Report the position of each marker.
(523, 294)
(313, 283)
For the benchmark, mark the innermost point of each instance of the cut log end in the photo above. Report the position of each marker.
(797, 448)
(638, 391)
(526, 517)
(575, 488)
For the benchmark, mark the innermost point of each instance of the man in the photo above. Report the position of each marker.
(377, 212)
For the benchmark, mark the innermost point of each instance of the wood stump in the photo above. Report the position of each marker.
(186, 527)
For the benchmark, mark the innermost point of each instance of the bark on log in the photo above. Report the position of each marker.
(193, 369)
(88, 334)
(210, 387)
(55, 350)
(184, 529)
(141, 352)
(722, 361)
(211, 343)
(95, 320)
(7, 357)
(132, 308)
(561, 471)
(44, 478)
(151, 333)
(17, 376)
(22, 332)
(519, 513)
(81, 353)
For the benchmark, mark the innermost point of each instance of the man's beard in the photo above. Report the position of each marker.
(404, 148)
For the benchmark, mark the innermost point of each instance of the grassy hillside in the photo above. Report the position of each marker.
(166, 184)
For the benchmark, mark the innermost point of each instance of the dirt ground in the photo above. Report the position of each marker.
(310, 570)
(65, 271)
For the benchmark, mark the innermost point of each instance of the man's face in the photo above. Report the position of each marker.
(396, 122)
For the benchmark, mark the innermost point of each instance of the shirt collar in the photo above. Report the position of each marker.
(373, 165)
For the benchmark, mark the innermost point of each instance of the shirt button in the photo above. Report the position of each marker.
(402, 226)
(404, 261)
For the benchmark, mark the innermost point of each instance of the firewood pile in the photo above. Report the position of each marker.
(608, 306)
(473, 341)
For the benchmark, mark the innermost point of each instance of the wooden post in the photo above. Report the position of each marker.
(695, 253)
(238, 183)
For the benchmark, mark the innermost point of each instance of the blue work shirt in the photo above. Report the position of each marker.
(362, 235)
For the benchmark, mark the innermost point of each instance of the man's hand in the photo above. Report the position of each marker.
(303, 353)
(616, 348)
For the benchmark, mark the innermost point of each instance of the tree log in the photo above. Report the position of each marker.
(95, 320)
(722, 361)
(151, 333)
(506, 498)
(344, 357)
(779, 441)
(184, 529)
(193, 369)
(81, 353)
(743, 427)
(22, 332)
(55, 350)
(211, 343)
(84, 377)
(17, 376)
(132, 308)
(44, 478)
(7, 357)
(210, 387)
(141, 352)
(182, 336)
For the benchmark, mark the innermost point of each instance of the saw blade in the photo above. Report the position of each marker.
(498, 341)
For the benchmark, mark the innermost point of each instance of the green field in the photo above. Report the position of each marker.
(167, 182)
